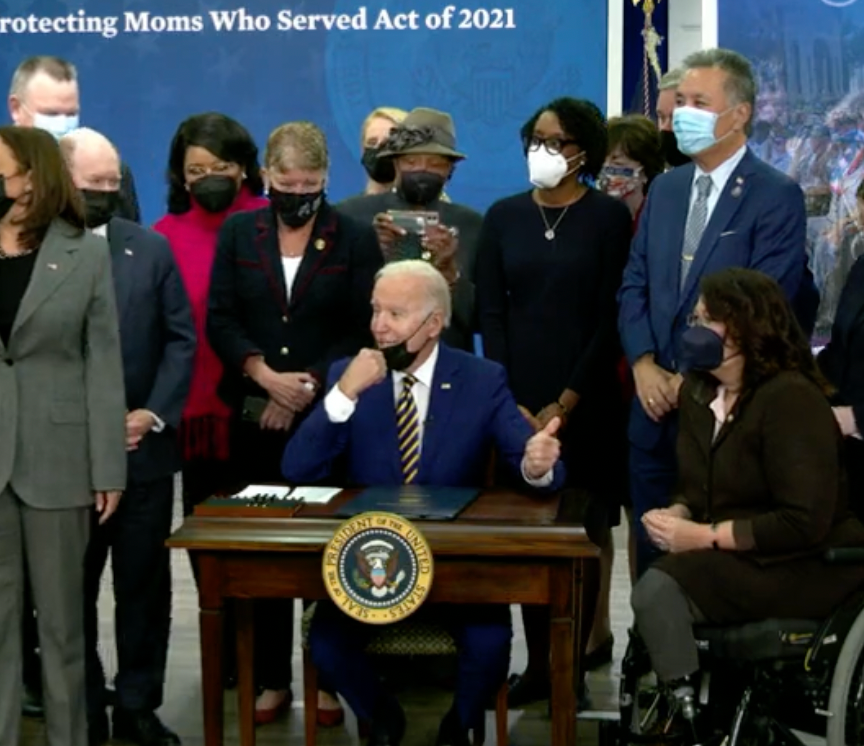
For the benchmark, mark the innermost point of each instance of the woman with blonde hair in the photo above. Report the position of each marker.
(373, 134)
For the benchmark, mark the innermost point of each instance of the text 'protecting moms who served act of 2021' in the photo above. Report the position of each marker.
(449, 18)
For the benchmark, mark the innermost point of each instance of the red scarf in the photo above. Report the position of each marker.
(205, 428)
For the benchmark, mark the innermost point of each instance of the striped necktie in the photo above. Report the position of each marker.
(408, 429)
(696, 221)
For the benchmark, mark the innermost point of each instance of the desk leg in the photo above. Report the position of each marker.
(210, 616)
(244, 609)
(562, 635)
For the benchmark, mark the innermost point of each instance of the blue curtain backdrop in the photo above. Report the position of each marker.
(634, 23)
(140, 78)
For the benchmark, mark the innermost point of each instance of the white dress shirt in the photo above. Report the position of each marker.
(340, 407)
(719, 177)
(158, 424)
(290, 266)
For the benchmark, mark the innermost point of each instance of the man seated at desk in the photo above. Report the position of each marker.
(415, 411)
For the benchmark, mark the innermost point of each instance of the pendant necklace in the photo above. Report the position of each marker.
(550, 229)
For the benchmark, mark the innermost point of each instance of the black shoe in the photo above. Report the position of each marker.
(97, 728)
(525, 690)
(388, 726)
(142, 728)
(31, 703)
(451, 732)
(600, 656)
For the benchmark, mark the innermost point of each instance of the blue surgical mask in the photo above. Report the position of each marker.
(57, 124)
(701, 349)
(694, 129)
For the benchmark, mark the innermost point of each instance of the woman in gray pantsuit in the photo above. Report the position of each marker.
(62, 412)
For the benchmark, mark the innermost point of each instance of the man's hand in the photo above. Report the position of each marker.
(294, 391)
(671, 533)
(443, 243)
(364, 371)
(388, 233)
(138, 423)
(276, 417)
(846, 420)
(106, 504)
(542, 451)
(655, 389)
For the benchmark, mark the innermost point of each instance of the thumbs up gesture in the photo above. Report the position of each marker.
(543, 450)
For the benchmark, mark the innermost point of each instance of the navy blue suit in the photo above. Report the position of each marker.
(471, 412)
(759, 222)
(158, 339)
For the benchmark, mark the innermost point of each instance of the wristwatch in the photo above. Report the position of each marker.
(714, 543)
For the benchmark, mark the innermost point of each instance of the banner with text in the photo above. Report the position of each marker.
(145, 65)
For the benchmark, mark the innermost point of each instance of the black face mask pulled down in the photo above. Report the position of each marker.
(380, 170)
(100, 206)
(673, 156)
(214, 193)
(6, 202)
(295, 210)
(701, 349)
(420, 188)
(398, 357)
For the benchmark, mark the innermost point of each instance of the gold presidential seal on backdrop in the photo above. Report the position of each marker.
(378, 568)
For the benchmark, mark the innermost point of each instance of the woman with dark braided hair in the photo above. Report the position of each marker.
(762, 482)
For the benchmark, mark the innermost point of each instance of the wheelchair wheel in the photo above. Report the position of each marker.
(846, 701)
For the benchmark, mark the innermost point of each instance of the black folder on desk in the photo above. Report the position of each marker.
(418, 502)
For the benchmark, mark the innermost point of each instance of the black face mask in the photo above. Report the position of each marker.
(398, 357)
(295, 210)
(214, 193)
(701, 349)
(673, 156)
(380, 170)
(5, 202)
(101, 206)
(420, 187)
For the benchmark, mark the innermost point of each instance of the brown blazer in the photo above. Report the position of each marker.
(775, 469)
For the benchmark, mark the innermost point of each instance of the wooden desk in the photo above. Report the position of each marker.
(511, 548)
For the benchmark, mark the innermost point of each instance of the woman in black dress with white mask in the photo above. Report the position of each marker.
(549, 266)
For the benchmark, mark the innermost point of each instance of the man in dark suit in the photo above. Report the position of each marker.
(727, 208)
(158, 340)
(452, 409)
(424, 155)
(44, 93)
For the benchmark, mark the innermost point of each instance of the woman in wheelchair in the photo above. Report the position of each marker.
(762, 485)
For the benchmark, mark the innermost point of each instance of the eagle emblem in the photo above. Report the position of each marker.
(378, 569)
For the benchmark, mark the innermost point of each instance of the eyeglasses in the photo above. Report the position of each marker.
(620, 172)
(217, 169)
(553, 145)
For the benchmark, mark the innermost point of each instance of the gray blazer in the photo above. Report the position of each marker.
(62, 402)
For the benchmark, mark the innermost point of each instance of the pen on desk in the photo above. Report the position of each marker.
(294, 511)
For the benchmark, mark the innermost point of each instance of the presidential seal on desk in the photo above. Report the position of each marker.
(378, 568)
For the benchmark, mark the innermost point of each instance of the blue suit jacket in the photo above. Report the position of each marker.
(759, 222)
(158, 340)
(471, 411)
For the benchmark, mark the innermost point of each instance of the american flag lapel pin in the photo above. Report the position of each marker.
(128, 252)
(51, 265)
(736, 190)
(445, 386)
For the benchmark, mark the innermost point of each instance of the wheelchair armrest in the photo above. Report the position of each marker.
(845, 556)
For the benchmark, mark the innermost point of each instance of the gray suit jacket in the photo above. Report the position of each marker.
(62, 402)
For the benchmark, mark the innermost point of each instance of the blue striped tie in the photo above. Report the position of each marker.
(408, 429)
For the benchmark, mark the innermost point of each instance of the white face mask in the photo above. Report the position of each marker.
(547, 171)
(57, 124)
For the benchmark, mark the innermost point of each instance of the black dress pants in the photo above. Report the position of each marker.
(135, 536)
